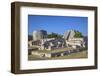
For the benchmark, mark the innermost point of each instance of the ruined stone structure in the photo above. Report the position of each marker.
(40, 42)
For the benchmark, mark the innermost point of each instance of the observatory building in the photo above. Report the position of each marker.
(39, 34)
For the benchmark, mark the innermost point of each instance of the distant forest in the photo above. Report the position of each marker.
(54, 35)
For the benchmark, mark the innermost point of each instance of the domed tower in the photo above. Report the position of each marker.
(35, 35)
(39, 34)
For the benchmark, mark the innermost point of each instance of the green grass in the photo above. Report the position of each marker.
(82, 54)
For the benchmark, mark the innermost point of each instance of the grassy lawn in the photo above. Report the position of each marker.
(82, 54)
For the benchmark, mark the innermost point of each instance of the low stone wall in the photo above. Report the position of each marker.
(55, 54)
(41, 54)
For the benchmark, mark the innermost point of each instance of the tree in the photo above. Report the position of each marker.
(78, 34)
(54, 35)
(29, 37)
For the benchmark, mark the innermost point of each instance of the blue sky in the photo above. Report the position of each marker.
(57, 24)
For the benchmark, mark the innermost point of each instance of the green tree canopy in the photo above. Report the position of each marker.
(54, 35)
(29, 37)
(78, 34)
